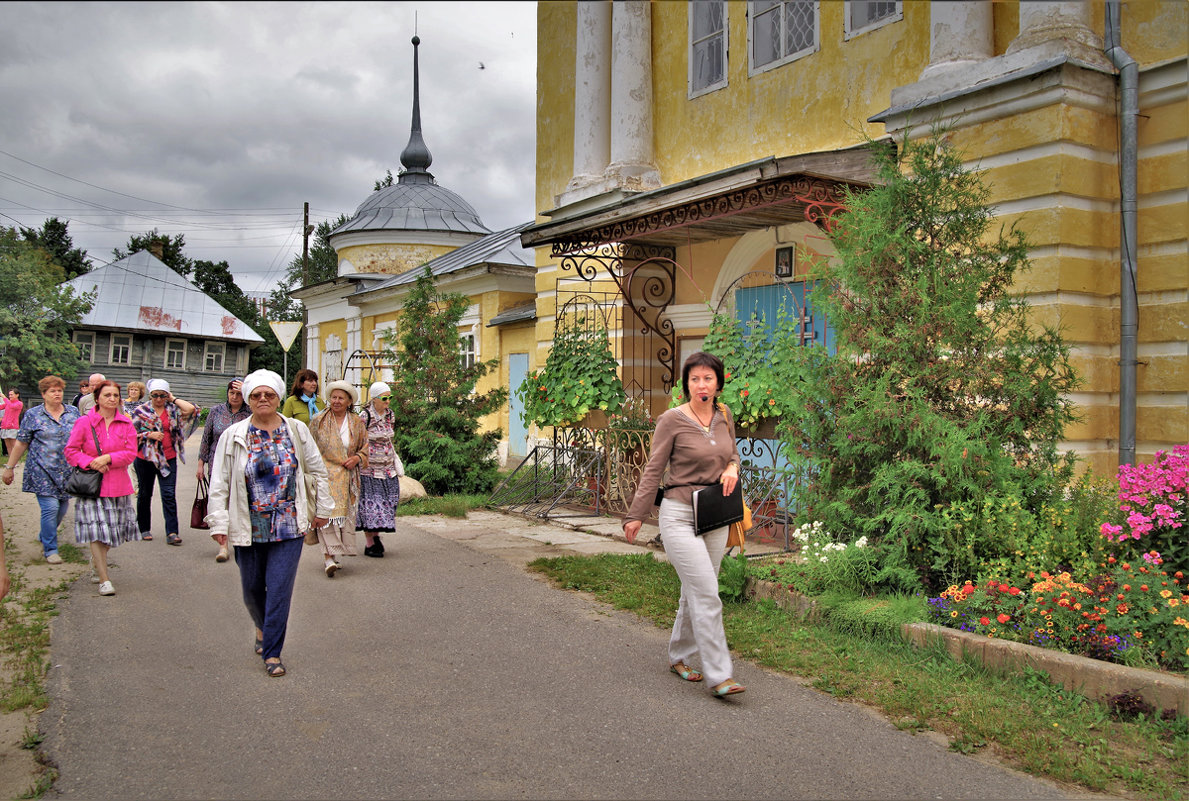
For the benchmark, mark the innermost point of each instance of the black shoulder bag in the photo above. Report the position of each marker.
(83, 482)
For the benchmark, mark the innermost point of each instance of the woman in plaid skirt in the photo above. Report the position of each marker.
(110, 519)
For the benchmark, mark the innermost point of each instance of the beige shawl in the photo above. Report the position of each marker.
(344, 484)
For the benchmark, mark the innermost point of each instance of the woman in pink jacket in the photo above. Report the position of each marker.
(110, 519)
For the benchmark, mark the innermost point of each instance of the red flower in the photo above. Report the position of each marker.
(968, 590)
(1014, 590)
(744, 393)
(1143, 588)
(1003, 618)
(984, 621)
(1004, 588)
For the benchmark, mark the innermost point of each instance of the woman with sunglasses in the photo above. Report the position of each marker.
(162, 426)
(379, 482)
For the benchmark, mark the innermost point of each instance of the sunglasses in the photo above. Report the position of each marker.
(158, 394)
(383, 397)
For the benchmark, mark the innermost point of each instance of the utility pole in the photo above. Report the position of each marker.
(306, 230)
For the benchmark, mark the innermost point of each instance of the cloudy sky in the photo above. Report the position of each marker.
(218, 120)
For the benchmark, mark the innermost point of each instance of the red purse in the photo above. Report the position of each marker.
(198, 511)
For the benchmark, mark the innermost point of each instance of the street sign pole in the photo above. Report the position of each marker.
(286, 332)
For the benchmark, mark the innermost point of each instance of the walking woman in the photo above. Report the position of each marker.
(379, 482)
(342, 439)
(162, 426)
(109, 520)
(11, 422)
(44, 431)
(268, 487)
(218, 420)
(137, 392)
(696, 442)
(303, 402)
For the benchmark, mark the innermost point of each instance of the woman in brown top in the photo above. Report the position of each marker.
(696, 441)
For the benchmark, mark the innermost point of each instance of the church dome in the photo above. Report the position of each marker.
(420, 206)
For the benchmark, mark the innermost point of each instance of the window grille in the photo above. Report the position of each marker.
(781, 31)
(707, 46)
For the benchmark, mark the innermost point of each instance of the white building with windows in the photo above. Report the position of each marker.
(150, 322)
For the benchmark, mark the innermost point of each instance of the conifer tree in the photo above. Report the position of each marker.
(438, 412)
(946, 388)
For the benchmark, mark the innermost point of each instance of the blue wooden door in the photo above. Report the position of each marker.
(517, 433)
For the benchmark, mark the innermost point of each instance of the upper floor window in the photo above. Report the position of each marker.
(865, 15)
(121, 349)
(85, 342)
(780, 31)
(175, 354)
(216, 353)
(466, 349)
(707, 46)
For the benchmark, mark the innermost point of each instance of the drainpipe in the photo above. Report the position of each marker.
(1128, 301)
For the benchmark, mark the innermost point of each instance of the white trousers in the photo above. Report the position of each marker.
(698, 628)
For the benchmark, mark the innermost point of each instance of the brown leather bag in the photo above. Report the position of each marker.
(198, 510)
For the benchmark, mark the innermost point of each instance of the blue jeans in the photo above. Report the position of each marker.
(52, 511)
(267, 573)
(146, 471)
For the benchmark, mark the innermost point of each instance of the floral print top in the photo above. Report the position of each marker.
(218, 419)
(271, 475)
(46, 469)
(381, 455)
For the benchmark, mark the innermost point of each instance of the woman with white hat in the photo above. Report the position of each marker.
(162, 426)
(379, 482)
(268, 487)
(342, 440)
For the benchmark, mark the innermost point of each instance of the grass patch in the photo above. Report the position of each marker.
(445, 505)
(1024, 720)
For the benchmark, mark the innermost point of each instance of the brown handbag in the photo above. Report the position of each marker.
(737, 530)
(198, 510)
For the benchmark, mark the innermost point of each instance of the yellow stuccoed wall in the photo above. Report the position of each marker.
(1051, 169)
(392, 259)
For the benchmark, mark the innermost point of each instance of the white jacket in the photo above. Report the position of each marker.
(227, 506)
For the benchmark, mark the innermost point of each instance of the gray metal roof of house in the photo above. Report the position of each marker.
(516, 314)
(141, 293)
(501, 247)
(409, 206)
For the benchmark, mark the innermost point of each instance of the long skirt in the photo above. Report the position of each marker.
(338, 537)
(378, 499)
(111, 521)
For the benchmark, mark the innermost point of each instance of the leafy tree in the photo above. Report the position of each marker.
(217, 281)
(172, 250)
(433, 396)
(37, 313)
(385, 182)
(945, 391)
(54, 239)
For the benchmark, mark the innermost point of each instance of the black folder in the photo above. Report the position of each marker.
(714, 510)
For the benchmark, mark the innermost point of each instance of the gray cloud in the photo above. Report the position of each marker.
(237, 113)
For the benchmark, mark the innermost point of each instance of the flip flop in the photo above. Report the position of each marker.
(728, 687)
(685, 671)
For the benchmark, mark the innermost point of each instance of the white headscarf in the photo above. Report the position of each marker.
(157, 385)
(377, 389)
(263, 378)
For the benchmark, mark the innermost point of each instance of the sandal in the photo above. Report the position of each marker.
(685, 671)
(173, 539)
(728, 687)
(259, 646)
(274, 669)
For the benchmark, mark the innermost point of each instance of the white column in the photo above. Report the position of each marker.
(960, 35)
(313, 348)
(632, 164)
(592, 92)
(354, 342)
(1044, 22)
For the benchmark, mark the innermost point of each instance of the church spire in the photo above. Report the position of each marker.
(415, 157)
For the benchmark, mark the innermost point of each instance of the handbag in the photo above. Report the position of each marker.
(735, 535)
(198, 510)
(83, 482)
(713, 510)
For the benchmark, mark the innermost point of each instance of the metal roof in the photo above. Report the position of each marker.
(501, 247)
(516, 314)
(141, 293)
(420, 206)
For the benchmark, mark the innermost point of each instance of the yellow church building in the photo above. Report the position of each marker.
(688, 152)
(388, 242)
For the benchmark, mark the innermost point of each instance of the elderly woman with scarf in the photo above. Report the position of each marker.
(379, 482)
(268, 487)
(303, 402)
(162, 426)
(342, 439)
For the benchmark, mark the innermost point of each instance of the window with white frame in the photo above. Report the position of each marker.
(707, 46)
(175, 354)
(121, 349)
(866, 15)
(466, 350)
(85, 342)
(216, 354)
(780, 31)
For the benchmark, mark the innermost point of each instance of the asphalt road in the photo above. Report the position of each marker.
(444, 670)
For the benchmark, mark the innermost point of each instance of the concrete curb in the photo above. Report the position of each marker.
(1093, 678)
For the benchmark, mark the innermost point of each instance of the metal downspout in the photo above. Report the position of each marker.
(1128, 301)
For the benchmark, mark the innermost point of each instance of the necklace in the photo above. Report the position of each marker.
(704, 426)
